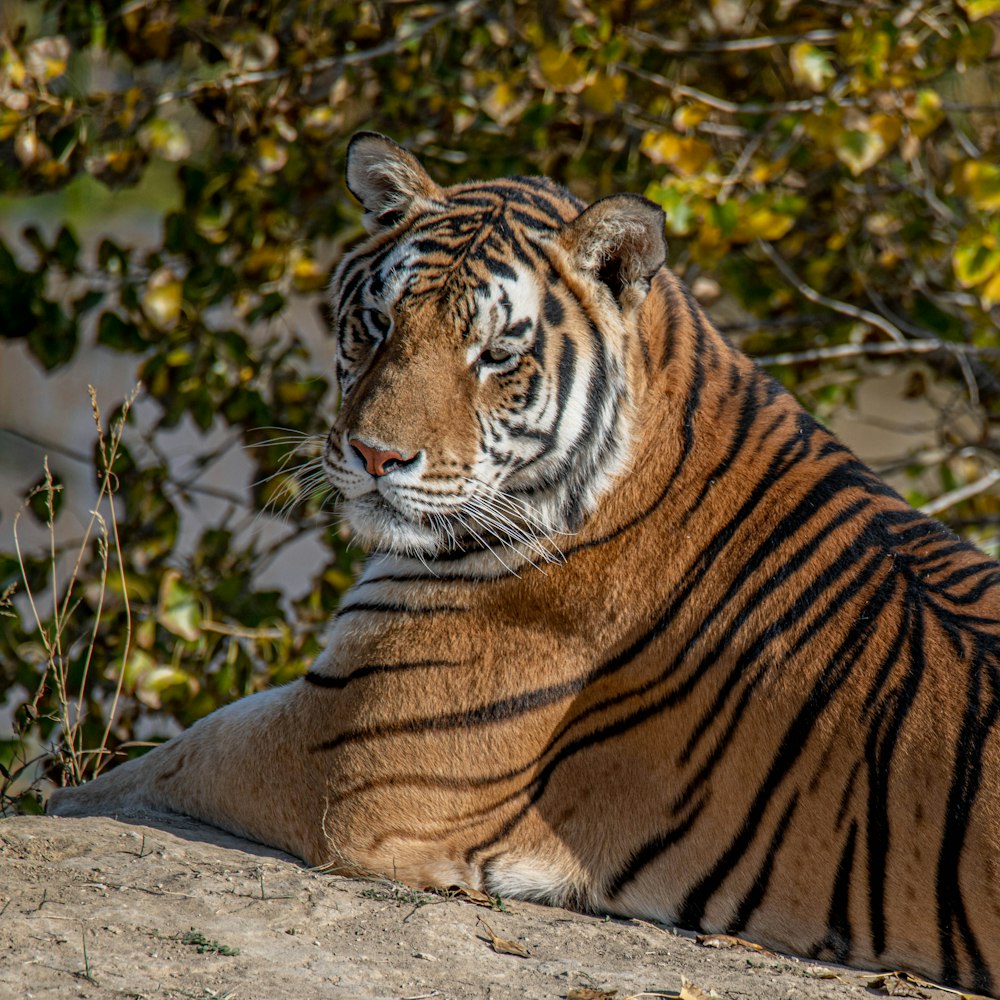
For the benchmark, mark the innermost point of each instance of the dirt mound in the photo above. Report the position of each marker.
(97, 908)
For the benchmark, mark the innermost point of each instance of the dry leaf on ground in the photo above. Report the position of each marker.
(896, 984)
(475, 897)
(688, 991)
(691, 992)
(501, 945)
(730, 941)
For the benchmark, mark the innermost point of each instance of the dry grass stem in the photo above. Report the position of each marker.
(77, 761)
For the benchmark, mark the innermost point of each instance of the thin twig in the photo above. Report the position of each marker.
(731, 107)
(186, 486)
(955, 497)
(840, 351)
(109, 455)
(844, 308)
(820, 35)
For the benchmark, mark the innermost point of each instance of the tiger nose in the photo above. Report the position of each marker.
(379, 462)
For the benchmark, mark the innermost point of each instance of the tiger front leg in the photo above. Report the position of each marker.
(244, 768)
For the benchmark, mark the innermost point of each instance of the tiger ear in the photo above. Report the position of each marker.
(620, 241)
(384, 177)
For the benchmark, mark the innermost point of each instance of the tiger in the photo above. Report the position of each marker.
(636, 635)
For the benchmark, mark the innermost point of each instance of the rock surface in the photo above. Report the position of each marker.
(102, 909)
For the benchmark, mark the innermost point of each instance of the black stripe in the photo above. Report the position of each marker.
(760, 882)
(651, 850)
(338, 682)
(884, 731)
(740, 438)
(804, 513)
(840, 936)
(501, 710)
(980, 716)
(378, 607)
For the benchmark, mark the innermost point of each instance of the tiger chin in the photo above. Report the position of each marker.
(637, 635)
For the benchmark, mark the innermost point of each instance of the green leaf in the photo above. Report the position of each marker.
(811, 67)
(114, 332)
(66, 250)
(863, 146)
(676, 206)
(178, 610)
(53, 340)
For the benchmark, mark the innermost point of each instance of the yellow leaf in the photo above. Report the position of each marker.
(151, 685)
(161, 302)
(138, 664)
(52, 170)
(603, 94)
(923, 111)
(730, 941)
(864, 145)
(978, 9)
(14, 70)
(271, 155)
(762, 223)
(504, 103)
(990, 295)
(811, 66)
(691, 992)
(166, 139)
(982, 180)
(308, 276)
(764, 172)
(337, 578)
(320, 123)
(685, 154)
(976, 260)
(47, 58)
(178, 610)
(561, 69)
(266, 262)
(687, 116)
(29, 149)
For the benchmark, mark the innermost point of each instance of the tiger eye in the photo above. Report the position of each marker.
(496, 356)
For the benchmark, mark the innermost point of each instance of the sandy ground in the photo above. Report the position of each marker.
(101, 909)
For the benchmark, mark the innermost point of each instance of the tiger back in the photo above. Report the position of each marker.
(637, 634)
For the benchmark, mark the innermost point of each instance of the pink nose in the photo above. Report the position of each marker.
(377, 462)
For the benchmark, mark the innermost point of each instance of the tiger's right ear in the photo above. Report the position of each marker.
(385, 178)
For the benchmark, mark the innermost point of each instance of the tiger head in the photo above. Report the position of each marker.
(486, 341)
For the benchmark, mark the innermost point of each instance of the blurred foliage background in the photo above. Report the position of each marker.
(831, 183)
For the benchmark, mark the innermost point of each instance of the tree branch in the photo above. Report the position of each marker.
(844, 308)
(731, 107)
(820, 35)
(840, 351)
(393, 45)
(955, 497)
